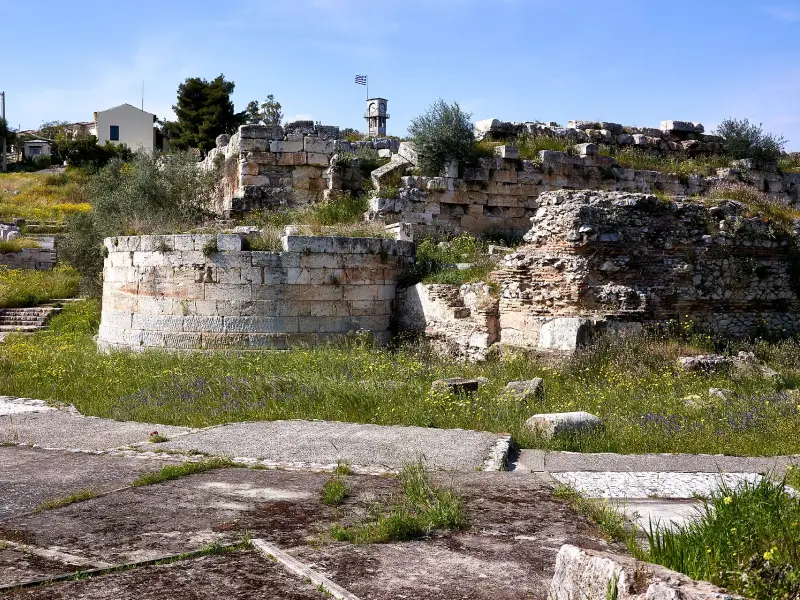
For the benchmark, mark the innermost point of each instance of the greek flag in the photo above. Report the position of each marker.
(361, 79)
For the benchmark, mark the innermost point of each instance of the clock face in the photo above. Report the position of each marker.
(372, 107)
(383, 106)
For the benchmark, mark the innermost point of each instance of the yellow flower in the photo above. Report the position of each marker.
(769, 554)
(727, 500)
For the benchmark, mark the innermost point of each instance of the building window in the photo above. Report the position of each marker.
(36, 150)
(114, 137)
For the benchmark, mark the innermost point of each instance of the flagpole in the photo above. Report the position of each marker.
(367, 78)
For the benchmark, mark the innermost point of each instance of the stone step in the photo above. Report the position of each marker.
(24, 328)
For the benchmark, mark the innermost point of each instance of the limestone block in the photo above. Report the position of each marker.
(485, 127)
(681, 126)
(456, 385)
(325, 324)
(261, 132)
(583, 574)
(624, 139)
(260, 325)
(507, 151)
(384, 153)
(254, 145)
(209, 323)
(318, 146)
(548, 425)
(360, 292)
(258, 180)
(526, 391)
(268, 341)
(588, 149)
(382, 175)
(226, 291)
(408, 151)
(229, 242)
(318, 159)
(565, 334)
(280, 146)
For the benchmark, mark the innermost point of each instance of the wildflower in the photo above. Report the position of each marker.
(770, 554)
(727, 500)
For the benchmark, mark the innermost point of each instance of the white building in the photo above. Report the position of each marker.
(36, 148)
(126, 124)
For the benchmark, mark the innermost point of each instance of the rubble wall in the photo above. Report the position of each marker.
(174, 292)
(615, 258)
(501, 194)
(40, 259)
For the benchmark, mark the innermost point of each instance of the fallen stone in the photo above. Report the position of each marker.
(704, 362)
(549, 424)
(720, 393)
(506, 151)
(583, 574)
(456, 385)
(526, 390)
(408, 151)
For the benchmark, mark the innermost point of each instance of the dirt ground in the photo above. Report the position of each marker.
(508, 552)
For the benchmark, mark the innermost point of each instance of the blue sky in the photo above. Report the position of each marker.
(630, 61)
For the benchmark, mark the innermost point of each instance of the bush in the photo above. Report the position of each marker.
(442, 134)
(83, 151)
(148, 195)
(748, 140)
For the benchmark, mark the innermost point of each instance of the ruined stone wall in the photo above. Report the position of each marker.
(40, 259)
(460, 321)
(172, 291)
(268, 166)
(502, 194)
(614, 258)
(682, 137)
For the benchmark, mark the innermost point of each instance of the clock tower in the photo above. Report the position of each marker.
(376, 117)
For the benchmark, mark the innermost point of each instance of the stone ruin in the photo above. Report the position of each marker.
(605, 250)
(294, 165)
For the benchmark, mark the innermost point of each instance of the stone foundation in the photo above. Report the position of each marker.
(599, 259)
(203, 292)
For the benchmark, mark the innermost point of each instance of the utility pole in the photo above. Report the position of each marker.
(3, 96)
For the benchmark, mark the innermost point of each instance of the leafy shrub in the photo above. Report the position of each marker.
(757, 202)
(84, 151)
(748, 140)
(437, 259)
(145, 196)
(443, 133)
(790, 163)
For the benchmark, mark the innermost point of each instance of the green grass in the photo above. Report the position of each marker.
(334, 491)
(632, 158)
(758, 203)
(793, 477)
(790, 163)
(170, 472)
(80, 496)
(422, 508)
(342, 468)
(747, 540)
(634, 385)
(609, 520)
(24, 287)
(437, 259)
(48, 197)
(17, 245)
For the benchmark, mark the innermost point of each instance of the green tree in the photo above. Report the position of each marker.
(744, 139)
(443, 133)
(204, 111)
(50, 130)
(268, 112)
(6, 133)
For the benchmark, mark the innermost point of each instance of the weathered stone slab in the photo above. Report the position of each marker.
(565, 334)
(549, 424)
(526, 391)
(456, 385)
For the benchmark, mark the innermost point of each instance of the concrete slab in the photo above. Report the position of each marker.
(326, 442)
(666, 514)
(650, 484)
(70, 430)
(14, 406)
(237, 576)
(18, 567)
(31, 476)
(539, 460)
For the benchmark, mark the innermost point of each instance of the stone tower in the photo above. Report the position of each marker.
(376, 117)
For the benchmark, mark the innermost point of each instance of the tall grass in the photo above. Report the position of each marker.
(757, 202)
(790, 163)
(677, 163)
(45, 197)
(635, 386)
(747, 539)
(20, 287)
(17, 245)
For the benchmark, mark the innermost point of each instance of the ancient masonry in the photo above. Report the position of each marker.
(501, 193)
(267, 166)
(40, 259)
(206, 292)
(611, 261)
